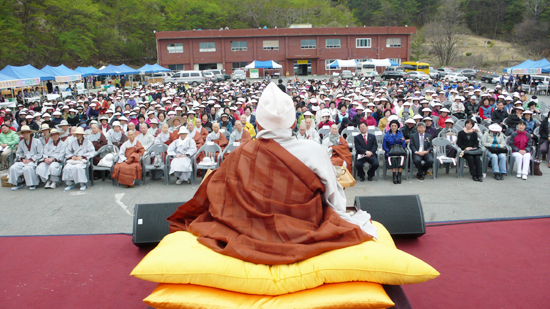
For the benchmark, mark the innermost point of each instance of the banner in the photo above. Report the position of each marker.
(65, 79)
(525, 71)
(254, 73)
(19, 83)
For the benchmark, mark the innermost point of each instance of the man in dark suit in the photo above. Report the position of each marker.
(421, 147)
(365, 148)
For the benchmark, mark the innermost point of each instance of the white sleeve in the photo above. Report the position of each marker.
(335, 197)
(122, 153)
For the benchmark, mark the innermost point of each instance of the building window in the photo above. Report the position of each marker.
(175, 48)
(396, 60)
(308, 44)
(393, 42)
(271, 45)
(176, 67)
(238, 46)
(333, 43)
(327, 64)
(207, 47)
(362, 43)
(239, 65)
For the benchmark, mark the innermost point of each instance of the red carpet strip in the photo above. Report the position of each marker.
(503, 264)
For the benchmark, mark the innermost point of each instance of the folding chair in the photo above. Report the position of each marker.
(226, 151)
(209, 151)
(512, 159)
(440, 155)
(323, 133)
(147, 166)
(102, 152)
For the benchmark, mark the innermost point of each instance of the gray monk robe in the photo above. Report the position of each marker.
(31, 150)
(56, 152)
(75, 171)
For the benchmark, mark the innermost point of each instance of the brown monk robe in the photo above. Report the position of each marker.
(264, 206)
(129, 170)
(199, 137)
(98, 140)
(341, 154)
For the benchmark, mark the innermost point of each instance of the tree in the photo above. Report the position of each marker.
(418, 49)
(534, 8)
(446, 31)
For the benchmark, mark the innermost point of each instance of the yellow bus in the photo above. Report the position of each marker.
(416, 66)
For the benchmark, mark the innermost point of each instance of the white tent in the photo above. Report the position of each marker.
(343, 64)
(381, 62)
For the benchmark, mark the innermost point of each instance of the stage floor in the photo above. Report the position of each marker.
(500, 264)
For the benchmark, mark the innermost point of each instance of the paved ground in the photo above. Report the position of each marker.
(104, 208)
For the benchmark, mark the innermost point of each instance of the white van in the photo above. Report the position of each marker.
(366, 69)
(191, 77)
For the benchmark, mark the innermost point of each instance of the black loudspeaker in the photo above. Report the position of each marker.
(402, 215)
(150, 224)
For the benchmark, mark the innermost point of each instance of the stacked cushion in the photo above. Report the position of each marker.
(193, 276)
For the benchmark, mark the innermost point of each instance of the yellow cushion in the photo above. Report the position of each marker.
(180, 259)
(338, 295)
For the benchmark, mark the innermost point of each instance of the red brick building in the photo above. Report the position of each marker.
(299, 50)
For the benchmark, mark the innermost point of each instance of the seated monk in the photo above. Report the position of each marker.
(217, 137)
(239, 134)
(273, 202)
(164, 136)
(199, 134)
(338, 148)
(98, 140)
(128, 167)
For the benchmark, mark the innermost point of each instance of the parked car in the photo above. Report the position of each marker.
(239, 75)
(162, 75)
(489, 78)
(218, 74)
(434, 74)
(192, 77)
(471, 74)
(455, 77)
(346, 74)
(395, 74)
(444, 71)
(226, 76)
(499, 78)
(414, 75)
(210, 76)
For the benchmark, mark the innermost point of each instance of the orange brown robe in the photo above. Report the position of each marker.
(129, 170)
(222, 142)
(341, 154)
(200, 139)
(97, 145)
(264, 206)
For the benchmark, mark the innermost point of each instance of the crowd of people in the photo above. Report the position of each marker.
(55, 141)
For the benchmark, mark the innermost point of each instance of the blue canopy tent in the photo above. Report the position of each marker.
(529, 67)
(268, 64)
(394, 64)
(62, 73)
(27, 72)
(116, 70)
(343, 64)
(86, 71)
(152, 68)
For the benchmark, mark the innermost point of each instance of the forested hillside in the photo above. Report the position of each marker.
(92, 32)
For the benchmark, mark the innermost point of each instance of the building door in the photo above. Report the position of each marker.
(208, 66)
(302, 67)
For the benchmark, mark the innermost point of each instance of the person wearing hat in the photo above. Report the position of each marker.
(123, 123)
(408, 129)
(182, 149)
(443, 116)
(153, 128)
(486, 111)
(513, 119)
(8, 141)
(78, 151)
(50, 166)
(406, 112)
(29, 152)
(430, 129)
(495, 143)
(116, 136)
(105, 126)
(276, 155)
(128, 168)
(44, 134)
(393, 141)
(98, 139)
(521, 143)
(422, 149)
